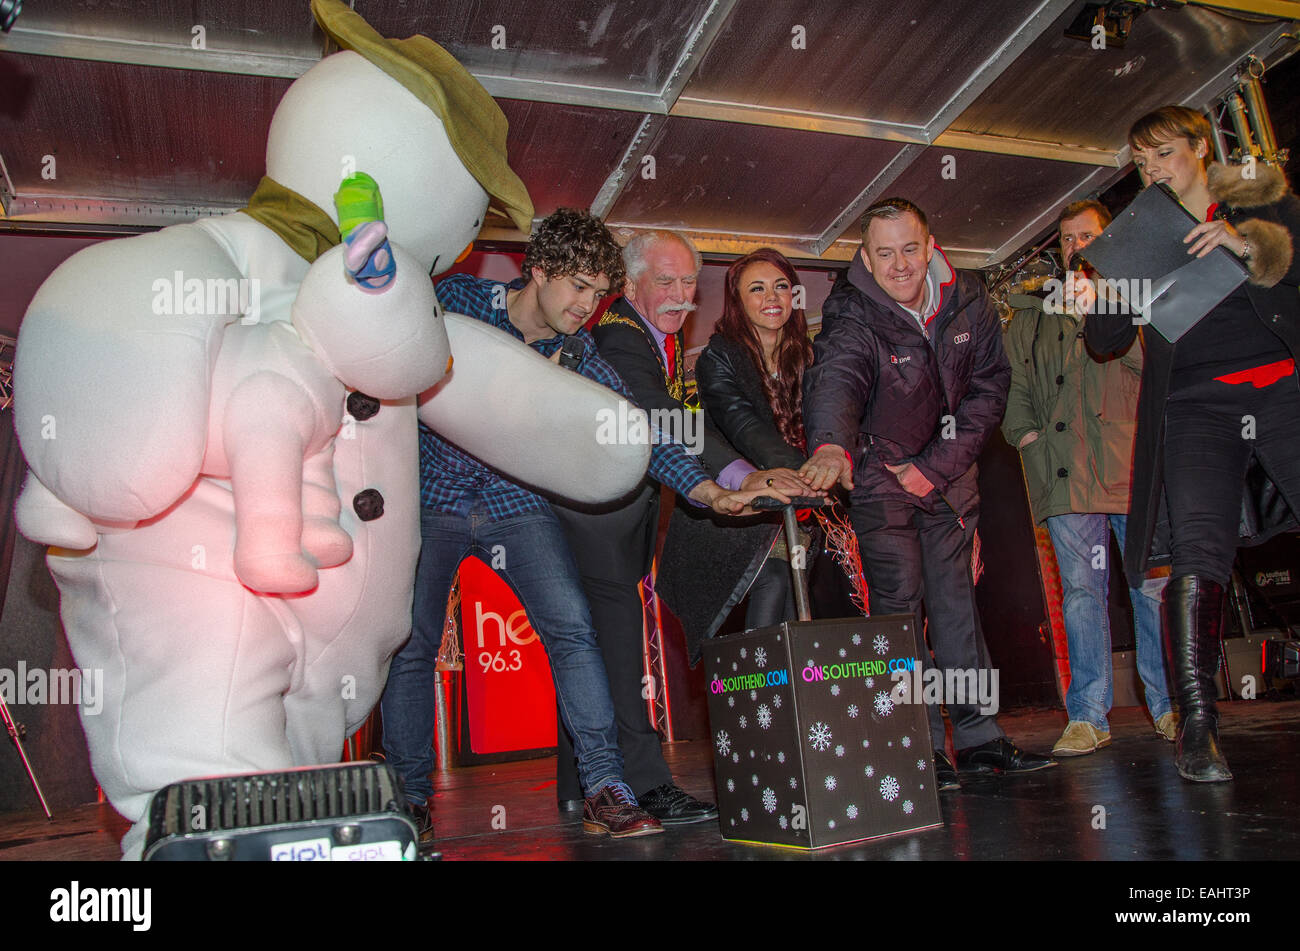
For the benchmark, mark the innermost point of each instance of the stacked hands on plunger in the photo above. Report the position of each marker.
(781, 484)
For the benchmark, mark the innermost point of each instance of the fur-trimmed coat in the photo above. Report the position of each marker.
(1266, 212)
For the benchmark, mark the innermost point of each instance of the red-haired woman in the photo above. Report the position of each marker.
(1217, 455)
(750, 381)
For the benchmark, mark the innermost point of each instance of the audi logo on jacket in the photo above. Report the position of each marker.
(882, 390)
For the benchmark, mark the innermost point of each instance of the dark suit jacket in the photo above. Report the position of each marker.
(616, 542)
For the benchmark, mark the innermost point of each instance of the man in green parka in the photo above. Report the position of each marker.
(1073, 418)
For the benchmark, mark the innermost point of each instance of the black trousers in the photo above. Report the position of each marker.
(1211, 431)
(616, 614)
(912, 558)
(771, 596)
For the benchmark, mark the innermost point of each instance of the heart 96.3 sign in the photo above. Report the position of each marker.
(510, 696)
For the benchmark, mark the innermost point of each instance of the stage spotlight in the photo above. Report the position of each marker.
(9, 10)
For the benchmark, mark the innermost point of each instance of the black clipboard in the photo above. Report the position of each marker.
(1143, 256)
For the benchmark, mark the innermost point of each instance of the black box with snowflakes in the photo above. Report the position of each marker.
(810, 745)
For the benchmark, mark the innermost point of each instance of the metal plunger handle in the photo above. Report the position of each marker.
(798, 573)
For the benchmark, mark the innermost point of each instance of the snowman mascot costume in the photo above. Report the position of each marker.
(231, 491)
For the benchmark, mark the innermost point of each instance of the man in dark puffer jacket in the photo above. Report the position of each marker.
(908, 381)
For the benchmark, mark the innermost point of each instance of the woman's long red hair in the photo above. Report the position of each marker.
(794, 352)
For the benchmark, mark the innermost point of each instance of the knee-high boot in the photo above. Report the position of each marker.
(1193, 623)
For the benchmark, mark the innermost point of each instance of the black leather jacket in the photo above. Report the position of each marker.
(731, 391)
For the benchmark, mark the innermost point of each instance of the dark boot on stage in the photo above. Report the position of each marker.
(1193, 623)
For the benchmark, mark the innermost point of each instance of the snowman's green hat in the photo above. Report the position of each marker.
(474, 122)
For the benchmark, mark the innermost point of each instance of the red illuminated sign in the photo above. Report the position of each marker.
(509, 691)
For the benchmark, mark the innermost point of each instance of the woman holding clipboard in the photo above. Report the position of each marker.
(1217, 454)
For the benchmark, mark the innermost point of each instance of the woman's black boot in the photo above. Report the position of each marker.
(1193, 622)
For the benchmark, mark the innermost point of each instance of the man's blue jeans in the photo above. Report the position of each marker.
(1082, 542)
(530, 554)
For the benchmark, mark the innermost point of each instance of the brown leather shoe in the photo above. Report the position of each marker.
(613, 811)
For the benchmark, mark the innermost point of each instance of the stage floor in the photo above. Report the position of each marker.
(1150, 813)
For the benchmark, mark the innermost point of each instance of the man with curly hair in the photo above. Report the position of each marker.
(467, 508)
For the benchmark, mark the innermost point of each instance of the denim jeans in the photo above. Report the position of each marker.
(1080, 541)
(535, 561)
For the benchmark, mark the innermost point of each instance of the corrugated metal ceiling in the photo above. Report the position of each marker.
(765, 122)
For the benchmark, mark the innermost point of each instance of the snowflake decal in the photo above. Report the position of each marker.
(724, 742)
(857, 639)
(907, 742)
(869, 771)
(760, 656)
(835, 690)
(735, 757)
(744, 815)
(754, 779)
(907, 806)
(920, 764)
(843, 652)
(831, 824)
(830, 783)
(881, 644)
(734, 666)
(744, 722)
(794, 783)
(753, 695)
(884, 704)
(902, 688)
(776, 700)
(769, 799)
(839, 751)
(889, 788)
(731, 785)
(780, 756)
(851, 811)
(764, 716)
(731, 701)
(810, 663)
(870, 682)
(782, 821)
(817, 643)
(743, 653)
(853, 711)
(820, 737)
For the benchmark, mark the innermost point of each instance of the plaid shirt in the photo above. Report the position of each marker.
(452, 480)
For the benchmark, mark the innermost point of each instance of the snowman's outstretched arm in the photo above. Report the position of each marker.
(114, 366)
(537, 422)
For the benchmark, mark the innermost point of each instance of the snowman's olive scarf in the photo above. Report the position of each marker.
(299, 223)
